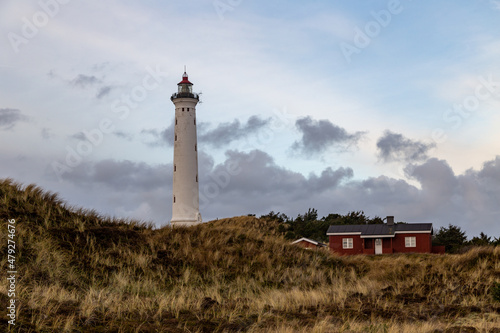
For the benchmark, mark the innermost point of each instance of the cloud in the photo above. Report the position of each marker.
(161, 138)
(120, 188)
(436, 177)
(103, 91)
(470, 200)
(253, 181)
(226, 133)
(121, 175)
(223, 134)
(395, 147)
(123, 135)
(319, 135)
(10, 117)
(84, 81)
(490, 172)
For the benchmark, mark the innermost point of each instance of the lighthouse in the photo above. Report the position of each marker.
(185, 195)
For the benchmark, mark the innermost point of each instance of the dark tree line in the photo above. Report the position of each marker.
(453, 238)
(308, 225)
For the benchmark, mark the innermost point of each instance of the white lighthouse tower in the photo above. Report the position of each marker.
(185, 206)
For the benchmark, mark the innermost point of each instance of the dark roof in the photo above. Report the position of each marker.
(414, 227)
(379, 229)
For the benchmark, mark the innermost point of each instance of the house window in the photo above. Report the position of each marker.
(182, 109)
(410, 242)
(188, 109)
(347, 243)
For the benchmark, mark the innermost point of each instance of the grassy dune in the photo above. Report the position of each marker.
(82, 272)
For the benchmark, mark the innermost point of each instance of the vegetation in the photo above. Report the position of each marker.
(82, 272)
(452, 237)
(309, 226)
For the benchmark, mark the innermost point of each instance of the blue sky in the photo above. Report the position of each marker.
(390, 107)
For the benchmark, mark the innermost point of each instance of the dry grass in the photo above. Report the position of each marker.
(81, 272)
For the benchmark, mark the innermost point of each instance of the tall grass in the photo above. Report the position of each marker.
(79, 271)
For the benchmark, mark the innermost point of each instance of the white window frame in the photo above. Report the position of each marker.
(411, 241)
(347, 243)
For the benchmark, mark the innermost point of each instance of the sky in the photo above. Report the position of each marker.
(387, 107)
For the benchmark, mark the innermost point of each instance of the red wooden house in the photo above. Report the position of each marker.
(382, 238)
(308, 243)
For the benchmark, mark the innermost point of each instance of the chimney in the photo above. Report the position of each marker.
(390, 220)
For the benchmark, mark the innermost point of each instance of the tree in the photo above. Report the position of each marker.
(376, 220)
(309, 216)
(280, 217)
(358, 217)
(308, 225)
(482, 240)
(453, 238)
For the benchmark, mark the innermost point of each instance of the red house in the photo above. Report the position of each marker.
(382, 238)
(308, 243)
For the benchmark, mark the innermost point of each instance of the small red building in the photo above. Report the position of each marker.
(382, 238)
(308, 243)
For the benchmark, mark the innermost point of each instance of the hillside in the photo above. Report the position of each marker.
(82, 272)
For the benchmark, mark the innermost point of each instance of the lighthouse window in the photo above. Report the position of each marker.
(176, 137)
(174, 199)
(182, 109)
(175, 168)
(196, 178)
(195, 147)
(188, 109)
(195, 121)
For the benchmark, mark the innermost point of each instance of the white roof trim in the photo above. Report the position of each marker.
(414, 232)
(376, 236)
(343, 233)
(305, 239)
